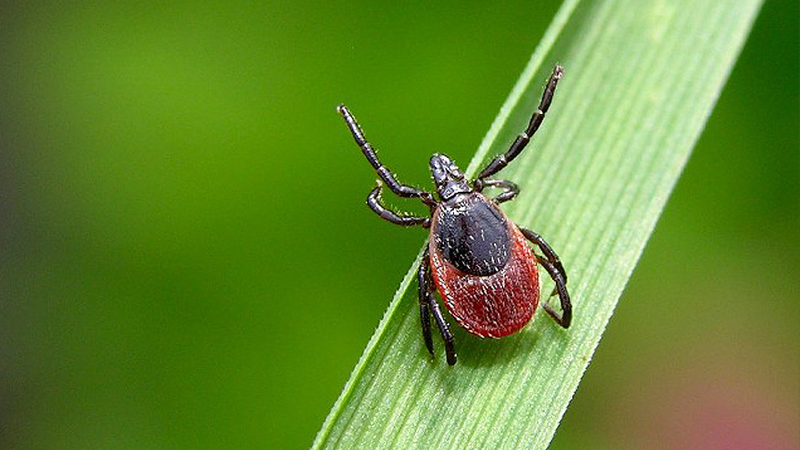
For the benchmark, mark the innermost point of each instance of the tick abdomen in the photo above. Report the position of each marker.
(483, 267)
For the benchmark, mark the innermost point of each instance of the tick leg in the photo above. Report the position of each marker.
(510, 190)
(561, 286)
(428, 305)
(546, 249)
(423, 292)
(552, 264)
(444, 329)
(374, 202)
(387, 176)
(519, 144)
(425, 318)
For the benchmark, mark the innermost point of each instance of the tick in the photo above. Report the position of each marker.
(476, 258)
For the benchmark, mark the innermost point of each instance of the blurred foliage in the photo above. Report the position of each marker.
(185, 248)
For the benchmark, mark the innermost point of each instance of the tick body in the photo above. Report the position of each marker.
(482, 266)
(479, 261)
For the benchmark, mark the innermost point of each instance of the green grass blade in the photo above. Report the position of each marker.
(640, 81)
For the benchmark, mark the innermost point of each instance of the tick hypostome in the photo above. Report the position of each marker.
(478, 260)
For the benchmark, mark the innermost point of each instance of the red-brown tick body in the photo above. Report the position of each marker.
(478, 259)
(482, 266)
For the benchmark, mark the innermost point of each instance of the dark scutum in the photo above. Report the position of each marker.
(472, 235)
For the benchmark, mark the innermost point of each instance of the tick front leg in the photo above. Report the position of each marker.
(428, 305)
(402, 190)
(522, 140)
(374, 202)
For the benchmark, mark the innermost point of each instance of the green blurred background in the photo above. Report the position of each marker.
(187, 260)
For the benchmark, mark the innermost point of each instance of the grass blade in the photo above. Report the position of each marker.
(641, 79)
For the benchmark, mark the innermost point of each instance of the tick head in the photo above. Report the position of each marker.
(448, 178)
